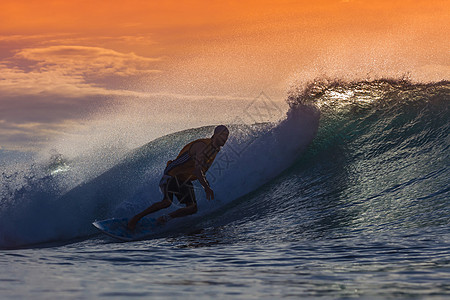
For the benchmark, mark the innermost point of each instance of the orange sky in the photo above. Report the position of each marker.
(65, 54)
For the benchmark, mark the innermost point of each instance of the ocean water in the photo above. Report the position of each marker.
(347, 197)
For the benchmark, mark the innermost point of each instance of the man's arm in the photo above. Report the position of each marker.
(198, 153)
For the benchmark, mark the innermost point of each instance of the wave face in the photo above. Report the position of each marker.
(37, 205)
(378, 160)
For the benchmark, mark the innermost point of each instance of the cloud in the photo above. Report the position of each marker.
(50, 91)
(123, 41)
(55, 39)
(88, 60)
(15, 81)
(22, 37)
(69, 71)
(30, 136)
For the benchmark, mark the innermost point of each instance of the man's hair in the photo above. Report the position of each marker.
(220, 128)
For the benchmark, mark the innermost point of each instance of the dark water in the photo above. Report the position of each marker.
(362, 212)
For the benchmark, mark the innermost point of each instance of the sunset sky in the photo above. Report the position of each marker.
(66, 65)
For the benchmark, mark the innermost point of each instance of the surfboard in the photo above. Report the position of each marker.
(117, 228)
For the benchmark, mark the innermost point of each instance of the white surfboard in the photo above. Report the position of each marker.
(117, 228)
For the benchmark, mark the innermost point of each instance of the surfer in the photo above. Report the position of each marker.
(191, 164)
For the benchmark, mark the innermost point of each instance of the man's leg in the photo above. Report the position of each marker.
(169, 189)
(185, 211)
(166, 202)
(185, 196)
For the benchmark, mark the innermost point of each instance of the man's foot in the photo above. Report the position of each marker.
(132, 223)
(163, 220)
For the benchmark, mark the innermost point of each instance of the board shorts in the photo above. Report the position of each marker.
(184, 191)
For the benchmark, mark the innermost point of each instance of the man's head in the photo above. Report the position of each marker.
(220, 135)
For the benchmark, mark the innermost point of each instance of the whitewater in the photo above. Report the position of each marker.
(347, 196)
